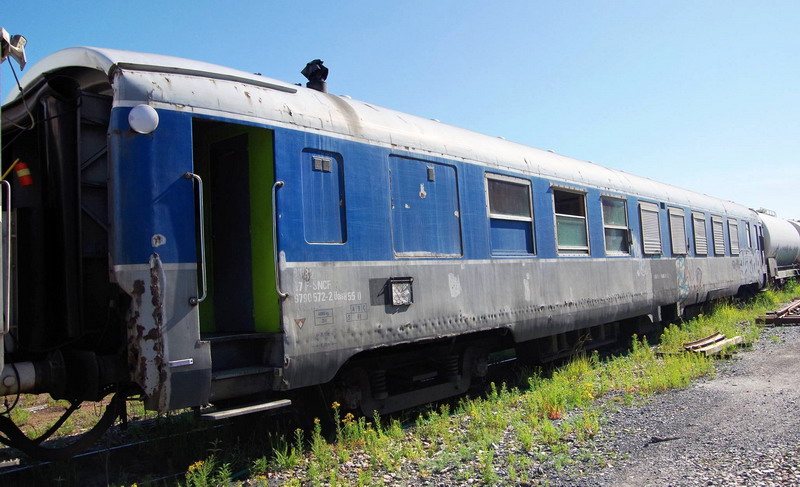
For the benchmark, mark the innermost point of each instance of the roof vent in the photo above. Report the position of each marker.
(316, 74)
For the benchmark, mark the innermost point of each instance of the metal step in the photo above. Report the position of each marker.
(232, 351)
(241, 411)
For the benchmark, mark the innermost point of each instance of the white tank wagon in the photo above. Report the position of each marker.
(796, 225)
(781, 246)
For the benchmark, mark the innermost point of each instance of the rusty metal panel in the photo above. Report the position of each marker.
(166, 357)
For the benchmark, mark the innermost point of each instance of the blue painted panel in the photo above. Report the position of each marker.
(150, 196)
(324, 203)
(366, 213)
(545, 219)
(594, 220)
(663, 222)
(511, 237)
(425, 214)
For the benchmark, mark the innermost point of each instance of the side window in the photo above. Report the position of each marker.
(677, 231)
(508, 201)
(718, 232)
(747, 234)
(651, 230)
(425, 216)
(570, 210)
(700, 238)
(733, 235)
(323, 197)
(615, 225)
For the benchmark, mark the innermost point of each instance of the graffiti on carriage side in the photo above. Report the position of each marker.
(750, 264)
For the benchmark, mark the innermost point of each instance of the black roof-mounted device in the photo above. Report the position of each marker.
(316, 74)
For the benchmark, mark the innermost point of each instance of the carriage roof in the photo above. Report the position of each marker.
(171, 82)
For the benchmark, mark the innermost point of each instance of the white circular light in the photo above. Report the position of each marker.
(143, 119)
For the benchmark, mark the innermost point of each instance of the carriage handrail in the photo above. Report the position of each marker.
(7, 260)
(194, 177)
(278, 184)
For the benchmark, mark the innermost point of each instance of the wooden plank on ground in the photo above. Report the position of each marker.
(718, 346)
(704, 341)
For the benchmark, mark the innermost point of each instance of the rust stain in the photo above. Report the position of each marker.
(134, 328)
(138, 290)
(156, 333)
(145, 334)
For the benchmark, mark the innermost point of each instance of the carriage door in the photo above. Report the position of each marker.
(236, 164)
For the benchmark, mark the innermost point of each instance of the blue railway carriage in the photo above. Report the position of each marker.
(197, 235)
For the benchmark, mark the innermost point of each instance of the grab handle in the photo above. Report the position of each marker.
(7, 260)
(278, 184)
(195, 178)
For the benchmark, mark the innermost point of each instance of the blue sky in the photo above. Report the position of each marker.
(701, 94)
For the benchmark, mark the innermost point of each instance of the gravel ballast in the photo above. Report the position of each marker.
(739, 427)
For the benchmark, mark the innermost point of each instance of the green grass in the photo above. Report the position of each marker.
(540, 422)
(728, 318)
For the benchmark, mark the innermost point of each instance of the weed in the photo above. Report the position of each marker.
(260, 466)
(588, 424)
(288, 456)
(512, 473)
(490, 477)
(200, 473)
(561, 460)
(524, 434)
(223, 475)
(321, 450)
(364, 478)
(525, 463)
(549, 432)
(20, 416)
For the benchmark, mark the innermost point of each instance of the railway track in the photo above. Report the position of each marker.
(145, 454)
(134, 456)
(140, 456)
(788, 315)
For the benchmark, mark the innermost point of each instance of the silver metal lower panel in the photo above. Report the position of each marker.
(338, 309)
